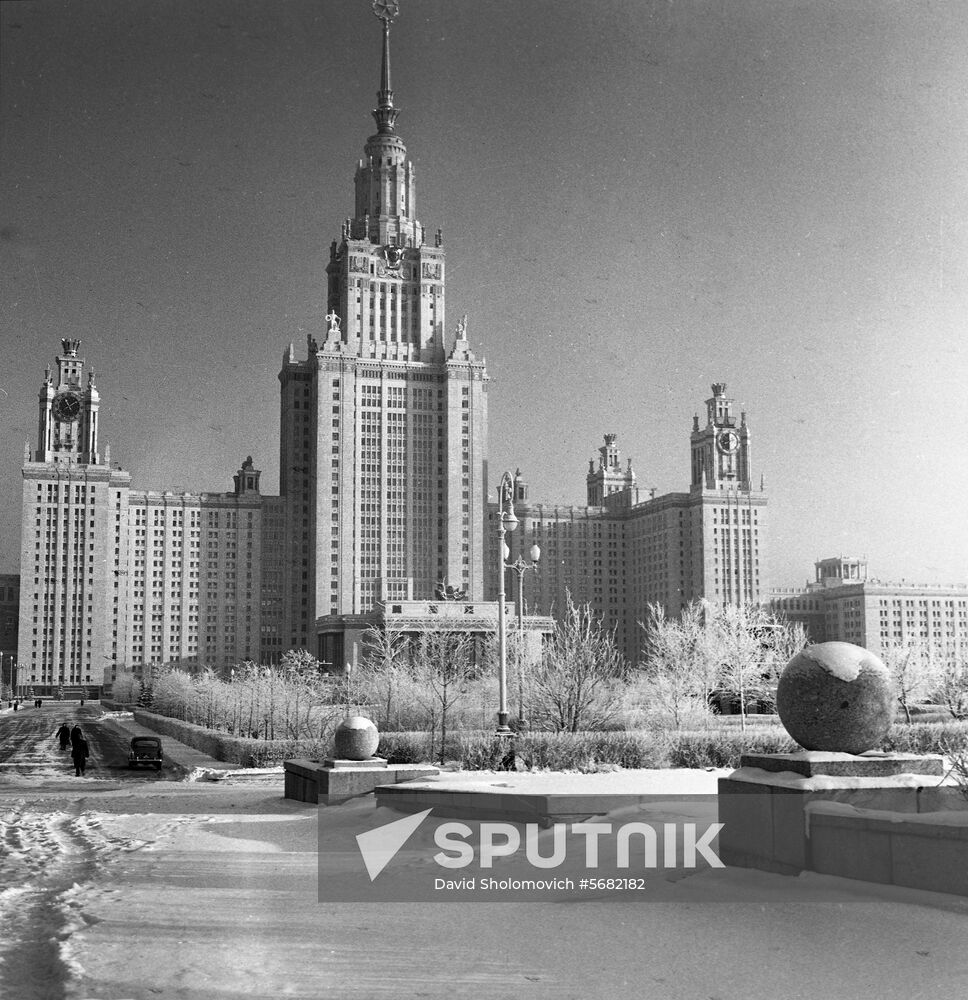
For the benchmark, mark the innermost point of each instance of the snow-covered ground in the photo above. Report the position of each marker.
(678, 781)
(208, 891)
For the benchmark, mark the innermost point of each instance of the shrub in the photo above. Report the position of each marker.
(272, 753)
(926, 737)
(405, 748)
(724, 748)
(486, 752)
(419, 747)
(592, 751)
(482, 750)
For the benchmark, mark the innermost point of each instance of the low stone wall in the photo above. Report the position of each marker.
(922, 851)
(895, 819)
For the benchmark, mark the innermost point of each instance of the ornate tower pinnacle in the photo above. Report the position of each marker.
(385, 113)
(721, 450)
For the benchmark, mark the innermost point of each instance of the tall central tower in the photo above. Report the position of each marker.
(384, 424)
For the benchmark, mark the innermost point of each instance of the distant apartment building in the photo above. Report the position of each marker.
(844, 604)
(9, 627)
(194, 575)
(621, 551)
(9, 611)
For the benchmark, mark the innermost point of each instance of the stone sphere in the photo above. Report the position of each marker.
(836, 696)
(356, 738)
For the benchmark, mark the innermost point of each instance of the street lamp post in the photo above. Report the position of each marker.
(520, 567)
(506, 521)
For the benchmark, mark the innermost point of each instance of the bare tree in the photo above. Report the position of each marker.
(953, 681)
(914, 670)
(576, 680)
(958, 765)
(382, 670)
(441, 661)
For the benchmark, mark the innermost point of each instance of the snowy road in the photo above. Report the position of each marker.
(132, 890)
(201, 892)
(29, 748)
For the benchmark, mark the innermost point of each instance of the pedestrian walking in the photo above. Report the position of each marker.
(79, 752)
(64, 735)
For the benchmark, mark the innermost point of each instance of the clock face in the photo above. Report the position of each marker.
(728, 442)
(67, 407)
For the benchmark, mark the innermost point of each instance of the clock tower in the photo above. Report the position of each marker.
(727, 514)
(67, 424)
(721, 449)
(73, 540)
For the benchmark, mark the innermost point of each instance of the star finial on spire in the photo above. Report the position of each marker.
(385, 113)
(386, 10)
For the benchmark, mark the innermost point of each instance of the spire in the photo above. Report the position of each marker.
(385, 113)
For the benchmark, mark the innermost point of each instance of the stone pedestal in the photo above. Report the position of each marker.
(335, 780)
(763, 805)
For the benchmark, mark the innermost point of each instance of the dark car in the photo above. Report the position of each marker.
(145, 750)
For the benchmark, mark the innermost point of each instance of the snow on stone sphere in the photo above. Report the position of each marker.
(836, 696)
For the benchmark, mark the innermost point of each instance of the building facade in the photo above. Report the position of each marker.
(621, 552)
(384, 424)
(844, 604)
(112, 576)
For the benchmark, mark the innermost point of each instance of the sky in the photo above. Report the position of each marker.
(638, 198)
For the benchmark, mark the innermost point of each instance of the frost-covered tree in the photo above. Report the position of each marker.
(741, 649)
(953, 681)
(681, 667)
(753, 647)
(578, 680)
(915, 671)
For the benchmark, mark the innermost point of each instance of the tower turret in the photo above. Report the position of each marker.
(721, 449)
(610, 479)
(67, 425)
